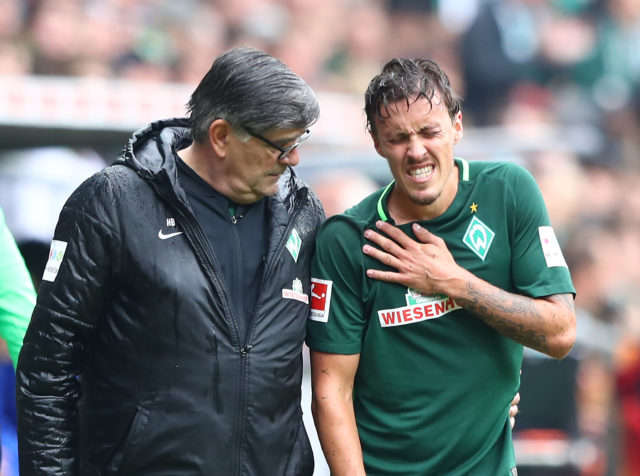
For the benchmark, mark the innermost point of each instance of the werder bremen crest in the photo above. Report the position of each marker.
(478, 237)
(293, 244)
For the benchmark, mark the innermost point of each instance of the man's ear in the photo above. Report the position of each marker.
(458, 130)
(376, 143)
(219, 132)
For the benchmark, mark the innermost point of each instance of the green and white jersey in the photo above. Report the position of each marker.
(434, 385)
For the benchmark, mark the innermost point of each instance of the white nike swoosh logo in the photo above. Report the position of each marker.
(162, 236)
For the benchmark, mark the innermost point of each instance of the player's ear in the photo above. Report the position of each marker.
(376, 143)
(458, 129)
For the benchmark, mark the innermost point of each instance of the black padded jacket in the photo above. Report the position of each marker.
(132, 363)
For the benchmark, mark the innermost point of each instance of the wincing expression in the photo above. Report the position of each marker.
(417, 142)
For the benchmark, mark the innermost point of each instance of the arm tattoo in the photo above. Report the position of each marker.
(565, 299)
(492, 309)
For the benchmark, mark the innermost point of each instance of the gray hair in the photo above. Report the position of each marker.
(407, 80)
(249, 88)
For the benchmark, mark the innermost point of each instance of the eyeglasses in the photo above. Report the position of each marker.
(284, 152)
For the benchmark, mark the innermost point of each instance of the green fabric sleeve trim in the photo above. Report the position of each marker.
(383, 216)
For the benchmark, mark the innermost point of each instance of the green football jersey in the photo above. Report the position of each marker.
(434, 384)
(17, 295)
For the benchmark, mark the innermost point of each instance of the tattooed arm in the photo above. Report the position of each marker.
(546, 324)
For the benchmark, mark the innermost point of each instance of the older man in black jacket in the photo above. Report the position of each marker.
(169, 325)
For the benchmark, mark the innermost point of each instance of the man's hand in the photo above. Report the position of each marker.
(546, 324)
(426, 265)
(513, 409)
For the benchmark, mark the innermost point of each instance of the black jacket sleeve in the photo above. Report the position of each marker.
(58, 339)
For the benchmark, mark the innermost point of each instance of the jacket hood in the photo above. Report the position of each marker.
(150, 149)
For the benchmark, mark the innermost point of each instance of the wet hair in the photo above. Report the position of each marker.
(249, 88)
(407, 80)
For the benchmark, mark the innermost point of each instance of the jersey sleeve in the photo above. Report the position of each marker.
(337, 318)
(17, 295)
(538, 267)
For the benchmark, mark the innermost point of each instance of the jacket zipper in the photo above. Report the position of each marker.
(236, 284)
(238, 435)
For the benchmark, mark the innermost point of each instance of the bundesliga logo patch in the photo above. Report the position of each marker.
(320, 299)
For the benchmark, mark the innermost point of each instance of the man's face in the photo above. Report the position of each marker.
(418, 144)
(254, 169)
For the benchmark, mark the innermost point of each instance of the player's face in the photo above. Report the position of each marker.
(418, 144)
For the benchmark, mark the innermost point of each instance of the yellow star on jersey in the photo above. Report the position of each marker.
(474, 207)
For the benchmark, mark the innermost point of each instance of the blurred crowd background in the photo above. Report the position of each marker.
(551, 84)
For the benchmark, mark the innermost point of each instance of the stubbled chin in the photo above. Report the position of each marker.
(423, 192)
(423, 198)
